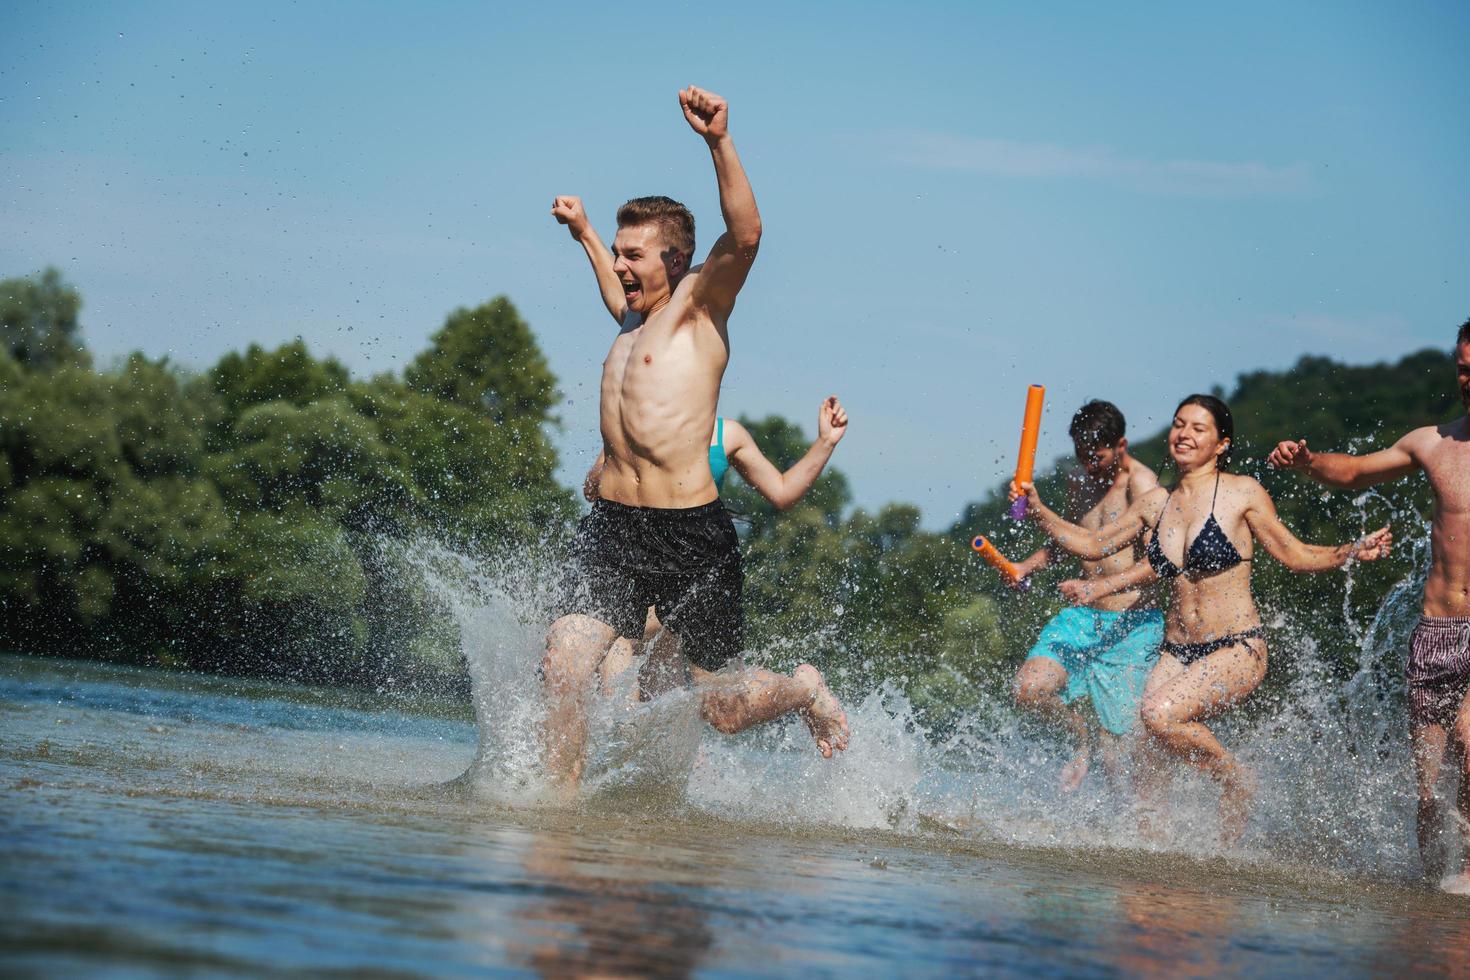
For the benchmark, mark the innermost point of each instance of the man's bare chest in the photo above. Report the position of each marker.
(1447, 464)
(1101, 507)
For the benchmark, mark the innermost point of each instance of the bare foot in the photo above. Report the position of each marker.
(824, 716)
(1075, 771)
(1237, 794)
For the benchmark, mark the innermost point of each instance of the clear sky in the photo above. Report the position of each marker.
(1128, 201)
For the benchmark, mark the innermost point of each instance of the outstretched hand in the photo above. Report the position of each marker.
(568, 211)
(1292, 454)
(831, 421)
(1374, 546)
(707, 113)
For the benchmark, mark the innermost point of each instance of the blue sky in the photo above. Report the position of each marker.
(1121, 201)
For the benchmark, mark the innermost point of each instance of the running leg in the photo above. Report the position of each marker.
(575, 647)
(1038, 684)
(1172, 714)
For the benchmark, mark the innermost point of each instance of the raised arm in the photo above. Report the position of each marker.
(569, 211)
(783, 490)
(1089, 545)
(724, 271)
(1346, 472)
(1297, 555)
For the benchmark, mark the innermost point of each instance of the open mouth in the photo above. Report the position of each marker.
(631, 290)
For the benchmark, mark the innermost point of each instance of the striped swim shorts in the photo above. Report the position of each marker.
(1439, 669)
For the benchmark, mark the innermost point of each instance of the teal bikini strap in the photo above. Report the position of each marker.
(720, 432)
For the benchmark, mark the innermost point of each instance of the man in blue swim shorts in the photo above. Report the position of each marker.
(1103, 652)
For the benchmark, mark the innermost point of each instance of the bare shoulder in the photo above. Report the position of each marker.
(1247, 488)
(1429, 436)
(1141, 479)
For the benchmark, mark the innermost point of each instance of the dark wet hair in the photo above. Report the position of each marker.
(1464, 336)
(673, 220)
(1224, 422)
(1097, 424)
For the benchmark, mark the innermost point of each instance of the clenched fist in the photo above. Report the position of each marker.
(831, 421)
(568, 211)
(708, 114)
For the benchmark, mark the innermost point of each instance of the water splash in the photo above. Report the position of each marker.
(1336, 786)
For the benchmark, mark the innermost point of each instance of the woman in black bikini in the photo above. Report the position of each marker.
(1200, 536)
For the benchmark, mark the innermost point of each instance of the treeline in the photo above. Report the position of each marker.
(232, 520)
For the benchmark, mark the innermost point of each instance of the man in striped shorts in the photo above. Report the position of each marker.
(1439, 654)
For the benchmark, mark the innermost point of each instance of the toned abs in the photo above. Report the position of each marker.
(660, 386)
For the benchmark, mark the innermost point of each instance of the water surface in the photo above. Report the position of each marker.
(163, 823)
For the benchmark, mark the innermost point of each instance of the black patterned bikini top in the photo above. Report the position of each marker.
(1210, 551)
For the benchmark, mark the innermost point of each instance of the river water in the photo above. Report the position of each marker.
(158, 822)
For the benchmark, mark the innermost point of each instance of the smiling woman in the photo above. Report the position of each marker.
(1199, 536)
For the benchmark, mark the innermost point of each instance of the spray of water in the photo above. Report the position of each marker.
(1336, 789)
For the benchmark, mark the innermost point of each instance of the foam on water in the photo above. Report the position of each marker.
(1335, 775)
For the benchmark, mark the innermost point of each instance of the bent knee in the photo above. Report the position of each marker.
(1030, 693)
(1157, 716)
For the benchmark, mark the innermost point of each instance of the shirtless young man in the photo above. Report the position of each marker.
(659, 535)
(1439, 653)
(1104, 650)
(730, 445)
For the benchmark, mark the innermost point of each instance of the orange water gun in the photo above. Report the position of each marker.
(999, 562)
(1030, 432)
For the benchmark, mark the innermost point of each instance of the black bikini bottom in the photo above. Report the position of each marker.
(1188, 653)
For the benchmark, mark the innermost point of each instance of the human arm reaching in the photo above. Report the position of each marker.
(1084, 543)
(1297, 555)
(1084, 591)
(568, 211)
(783, 490)
(1344, 471)
(1028, 566)
(729, 261)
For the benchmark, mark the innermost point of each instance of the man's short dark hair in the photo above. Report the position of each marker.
(672, 218)
(1464, 335)
(1097, 424)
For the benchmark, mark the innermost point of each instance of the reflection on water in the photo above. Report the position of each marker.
(599, 915)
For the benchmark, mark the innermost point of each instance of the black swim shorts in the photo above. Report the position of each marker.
(684, 562)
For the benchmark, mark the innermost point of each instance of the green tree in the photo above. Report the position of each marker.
(38, 315)
(486, 359)
(289, 373)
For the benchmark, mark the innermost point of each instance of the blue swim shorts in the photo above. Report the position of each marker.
(1107, 657)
